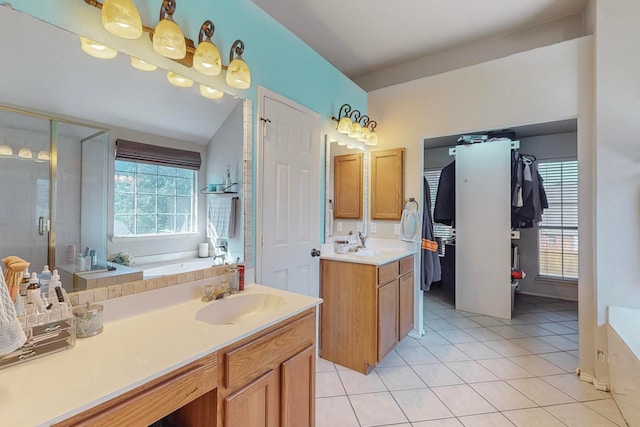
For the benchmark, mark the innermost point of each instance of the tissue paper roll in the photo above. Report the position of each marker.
(203, 250)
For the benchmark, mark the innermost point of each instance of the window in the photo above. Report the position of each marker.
(153, 200)
(558, 230)
(439, 230)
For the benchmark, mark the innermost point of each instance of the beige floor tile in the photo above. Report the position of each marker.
(464, 322)
(449, 422)
(579, 415)
(408, 342)
(478, 350)
(376, 409)
(507, 348)
(400, 378)
(323, 365)
(416, 355)
(392, 359)
(432, 338)
(533, 330)
(420, 405)
(579, 390)
(536, 365)
(532, 417)
(540, 392)
(563, 360)
(440, 325)
(449, 314)
(486, 321)
(355, 382)
(486, 420)
(560, 342)
(448, 353)
(502, 396)
(505, 369)
(483, 334)
(329, 384)
(508, 332)
(456, 336)
(556, 328)
(437, 374)
(335, 411)
(463, 400)
(608, 409)
(471, 371)
(534, 345)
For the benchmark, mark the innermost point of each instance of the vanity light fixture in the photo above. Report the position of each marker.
(6, 150)
(178, 80)
(43, 156)
(356, 125)
(121, 18)
(142, 65)
(206, 58)
(168, 39)
(96, 49)
(238, 74)
(211, 93)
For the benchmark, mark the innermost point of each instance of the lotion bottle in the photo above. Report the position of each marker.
(33, 292)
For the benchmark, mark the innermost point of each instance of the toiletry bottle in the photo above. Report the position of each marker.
(241, 277)
(94, 259)
(80, 263)
(25, 283)
(71, 254)
(33, 292)
(44, 279)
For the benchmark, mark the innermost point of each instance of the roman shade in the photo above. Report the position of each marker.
(156, 155)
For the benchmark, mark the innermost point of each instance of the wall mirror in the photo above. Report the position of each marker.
(94, 102)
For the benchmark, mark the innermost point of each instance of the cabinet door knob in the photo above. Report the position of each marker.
(315, 252)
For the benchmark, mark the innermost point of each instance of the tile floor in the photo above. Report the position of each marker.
(470, 370)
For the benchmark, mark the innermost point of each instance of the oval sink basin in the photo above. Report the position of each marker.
(366, 252)
(239, 308)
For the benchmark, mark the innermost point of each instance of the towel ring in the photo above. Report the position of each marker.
(411, 200)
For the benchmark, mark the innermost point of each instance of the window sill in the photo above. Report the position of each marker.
(153, 237)
(556, 281)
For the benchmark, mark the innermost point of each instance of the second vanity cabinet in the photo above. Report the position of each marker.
(264, 380)
(367, 310)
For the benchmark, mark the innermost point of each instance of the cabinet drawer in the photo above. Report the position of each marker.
(263, 354)
(388, 272)
(150, 402)
(406, 265)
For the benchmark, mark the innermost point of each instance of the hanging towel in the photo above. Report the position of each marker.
(329, 223)
(409, 230)
(12, 336)
(221, 217)
(445, 208)
(431, 271)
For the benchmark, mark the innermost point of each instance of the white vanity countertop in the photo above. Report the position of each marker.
(373, 256)
(145, 336)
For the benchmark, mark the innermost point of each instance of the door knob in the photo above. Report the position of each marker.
(315, 252)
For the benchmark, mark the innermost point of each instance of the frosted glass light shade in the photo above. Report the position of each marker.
(142, 65)
(238, 74)
(372, 139)
(168, 40)
(178, 80)
(43, 156)
(206, 59)
(211, 93)
(96, 49)
(356, 130)
(25, 153)
(121, 18)
(6, 150)
(344, 125)
(364, 135)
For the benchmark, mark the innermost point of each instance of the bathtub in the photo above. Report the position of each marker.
(624, 361)
(174, 267)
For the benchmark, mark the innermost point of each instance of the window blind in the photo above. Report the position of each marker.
(558, 230)
(156, 155)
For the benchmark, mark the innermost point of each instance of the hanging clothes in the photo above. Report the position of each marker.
(431, 271)
(528, 198)
(445, 208)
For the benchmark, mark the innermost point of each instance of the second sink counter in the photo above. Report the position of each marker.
(375, 257)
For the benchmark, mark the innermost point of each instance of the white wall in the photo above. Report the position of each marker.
(617, 126)
(542, 85)
(225, 149)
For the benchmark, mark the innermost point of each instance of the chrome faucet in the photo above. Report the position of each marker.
(223, 257)
(363, 239)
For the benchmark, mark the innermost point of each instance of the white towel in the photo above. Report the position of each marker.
(409, 225)
(329, 225)
(12, 336)
(221, 217)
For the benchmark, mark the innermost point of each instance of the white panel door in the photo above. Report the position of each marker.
(483, 228)
(290, 198)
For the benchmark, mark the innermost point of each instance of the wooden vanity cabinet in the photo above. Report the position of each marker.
(264, 380)
(367, 310)
(347, 186)
(387, 184)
